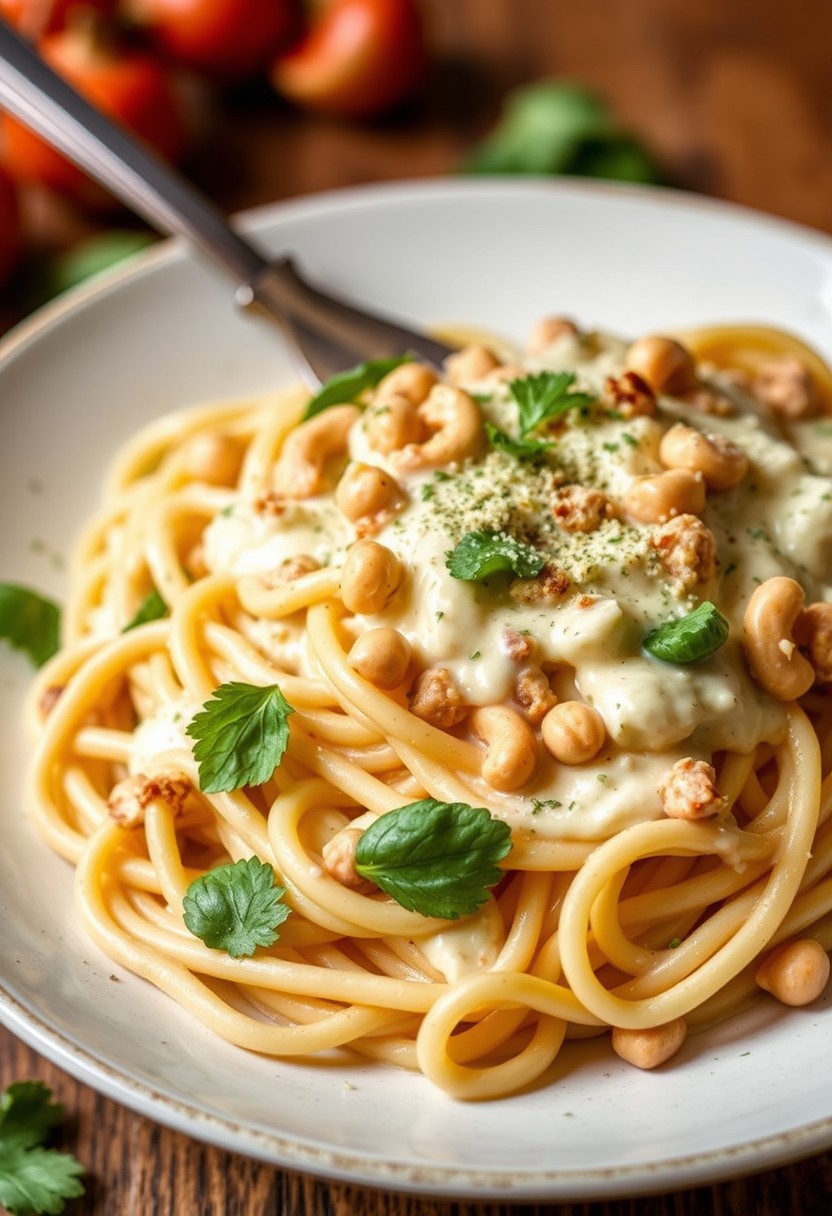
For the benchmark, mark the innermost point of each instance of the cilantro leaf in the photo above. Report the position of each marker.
(29, 622)
(544, 396)
(523, 449)
(349, 385)
(434, 858)
(152, 608)
(485, 552)
(690, 638)
(241, 735)
(236, 907)
(33, 1178)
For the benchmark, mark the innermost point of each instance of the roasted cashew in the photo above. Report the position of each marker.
(455, 429)
(411, 380)
(813, 632)
(299, 472)
(721, 463)
(770, 647)
(392, 422)
(511, 750)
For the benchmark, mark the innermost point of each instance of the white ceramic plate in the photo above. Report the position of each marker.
(84, 374)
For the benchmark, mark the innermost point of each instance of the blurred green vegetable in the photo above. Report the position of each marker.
(551, 128)
(95, 255)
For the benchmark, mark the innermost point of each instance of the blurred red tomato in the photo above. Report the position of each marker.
(34, 18)
(229, 39)
(11, 240)
(359, 57)
(130, 87)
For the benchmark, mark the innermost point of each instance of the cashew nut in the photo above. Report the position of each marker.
(813, 631)
(381, 656)
(664, 363)
(573, 732)
(511, 750)
(299, 472)
(770, 647)
(455, 430)
(660, 496)
(473, 362)
(411, 380)
(370, 578)
(721, 463)
(367, 494)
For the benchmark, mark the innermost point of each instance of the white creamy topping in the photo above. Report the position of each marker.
(467, 947)
(160, 738)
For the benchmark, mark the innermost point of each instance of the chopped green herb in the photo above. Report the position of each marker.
(482, 553)
(29, 622)
(427, 492)
(33, 1178)
(523, 449)
(691, 638)
(674, 943)
(477, 654)
(152, 608)
(631, 439)
(236, 907)
(349, 385)
(241, 735)
(545, 396)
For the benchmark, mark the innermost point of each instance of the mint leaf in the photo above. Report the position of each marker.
(485, 552)
(236, 907)
(691, 638)
(545, 396)
(349, 385)
(29, 622)
(33, 1178)
(434, 858)
(152, 608)
(523, 449)
(241, 735)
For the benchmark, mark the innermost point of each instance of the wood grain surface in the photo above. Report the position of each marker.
(735, 98)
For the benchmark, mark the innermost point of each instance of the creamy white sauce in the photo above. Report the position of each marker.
(467, 947)
(159, 741)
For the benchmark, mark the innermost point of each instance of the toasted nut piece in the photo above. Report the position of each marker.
(768, 625)
(411, 380)
(338, 855)
(813, 632)
(573, 732)
(689, 791)
(370, 578)
(796, 972)
(650, 1047)
(661, 496)
(392, 423)
(517, 645)
(549, 587)
(299, 472)
(533, 694)
(473, 362)
(721, 463)
(49, 698)
(787, 388)
(630, 395)
(290, 569)
(436, 699)
(214, 457)
(381, 656)
(455, 430)
(366, 494)
(129, 798)
(548, 331)
(664, 363)
(511, 750)
(580, 508)
(687, 551)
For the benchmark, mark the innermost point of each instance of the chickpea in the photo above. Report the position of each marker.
(650, 1047)
(660, 496)
(721, 463)
(549, 330)
(366, 490)
(473, 362)
(770, 646)
(410, 380)
(381, 656)
(796, 972)
(664, 363)
(511, 750)
(573, 732)
(370, 577)
(214, 457)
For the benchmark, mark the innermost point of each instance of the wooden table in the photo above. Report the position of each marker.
(734, 96)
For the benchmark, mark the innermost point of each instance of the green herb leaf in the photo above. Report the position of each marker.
(152, 608)
(545, 396)
(29, 622)
(349, 385)
(236, 907)
(434, 858)
(691, 638)
(523, 449)
(485, 552)
(33, 1178)
(241, 735)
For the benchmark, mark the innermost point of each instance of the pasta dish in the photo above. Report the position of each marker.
(446, 718)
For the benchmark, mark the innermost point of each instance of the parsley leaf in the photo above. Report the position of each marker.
(236, 907)
(241, 735)
(523, 449)
(152, 608)
(544, 396)
(485, 552)
(29, 622)
(434, 858)
(349, 385)
(33, 1178)
(691, 638)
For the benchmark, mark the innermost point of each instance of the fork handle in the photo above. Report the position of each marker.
(40, 98)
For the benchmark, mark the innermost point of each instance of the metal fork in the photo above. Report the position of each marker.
(325, 334)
